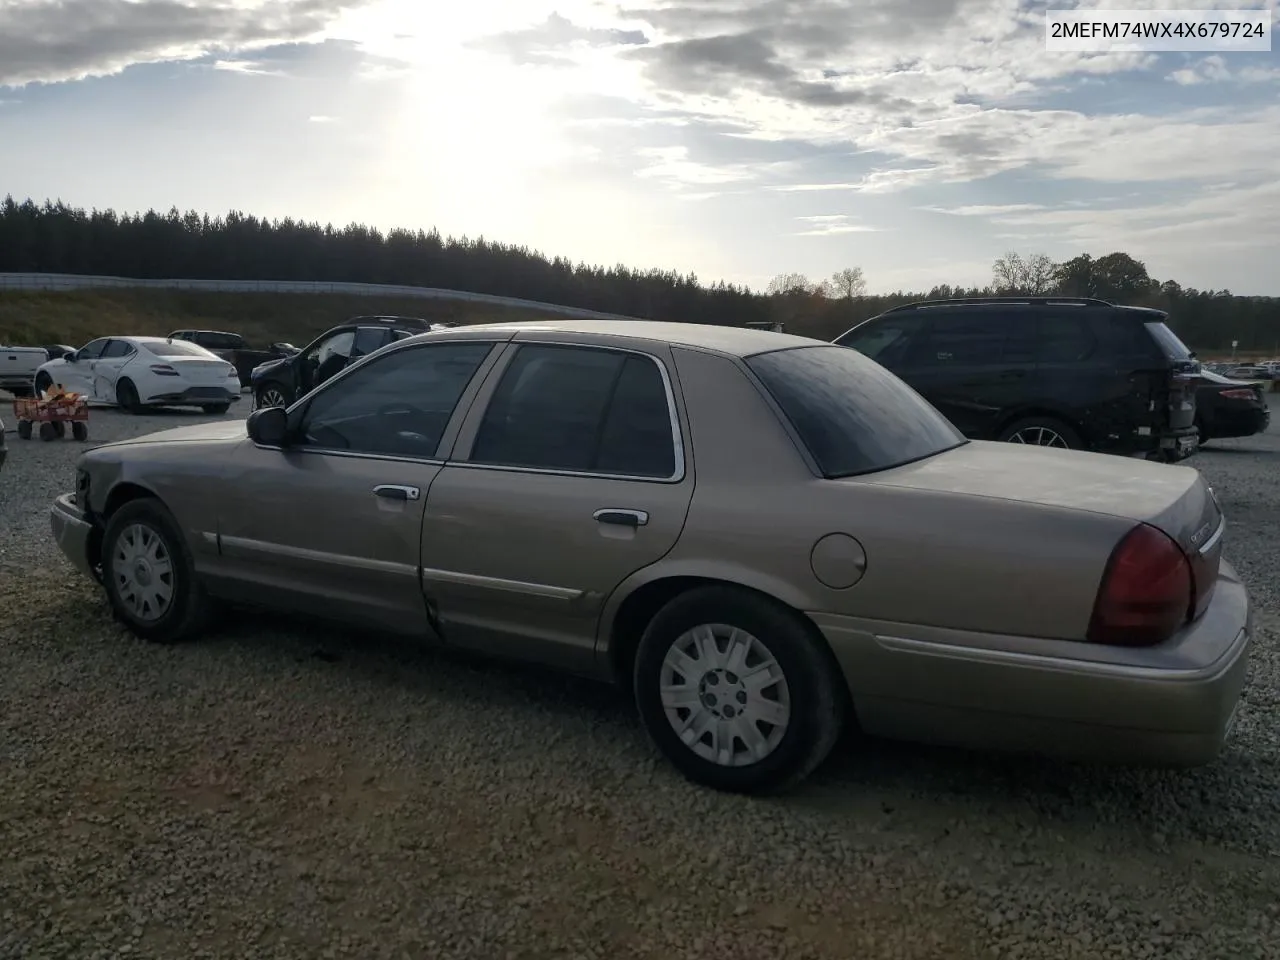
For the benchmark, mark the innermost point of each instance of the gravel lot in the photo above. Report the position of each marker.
(283, 792)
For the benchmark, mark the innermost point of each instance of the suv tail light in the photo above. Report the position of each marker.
(1146, 592)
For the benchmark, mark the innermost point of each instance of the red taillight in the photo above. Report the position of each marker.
(1239, 393)
(1146, 591)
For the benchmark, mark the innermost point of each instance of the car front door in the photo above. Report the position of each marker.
(331, 522)
(76, 374)
(326, 358)
(569, 475)
(106, 369)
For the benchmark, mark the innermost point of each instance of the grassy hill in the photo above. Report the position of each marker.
(76, 317)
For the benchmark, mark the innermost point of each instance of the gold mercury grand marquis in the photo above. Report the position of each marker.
(765, 537)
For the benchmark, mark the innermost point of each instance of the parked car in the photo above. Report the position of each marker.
(1062, 372)
(277, 383)
(764, 537)
(18, 366)
(235, 349)
(1248, 371)
(138, 372)
(1229, 408)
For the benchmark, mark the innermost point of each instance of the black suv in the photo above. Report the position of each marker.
(1060, 372)
(278, 383)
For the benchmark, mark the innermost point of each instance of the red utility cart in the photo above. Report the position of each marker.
(53, 413)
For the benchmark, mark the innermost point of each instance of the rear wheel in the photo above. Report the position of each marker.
(1042, 432)
(59, 429)
(149, 575)
(216, 409)
(80, 430)
(127, 397)
(24, 429)
(48, 431)
(737, 691)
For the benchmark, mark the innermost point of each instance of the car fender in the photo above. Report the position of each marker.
(709, 569)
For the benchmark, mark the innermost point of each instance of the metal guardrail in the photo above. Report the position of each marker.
(69, 281)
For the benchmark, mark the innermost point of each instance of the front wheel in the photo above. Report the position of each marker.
(272, 395)
(149, 574)
(43, 383)
(737, 691)
(1042, 432)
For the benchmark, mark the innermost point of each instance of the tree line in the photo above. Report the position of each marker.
(52, 237)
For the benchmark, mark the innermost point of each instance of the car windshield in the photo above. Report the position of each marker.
(852, 414)
(1172, 347)
(175, 348)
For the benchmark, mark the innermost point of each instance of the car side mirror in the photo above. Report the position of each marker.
(73, 357)
(268, 426)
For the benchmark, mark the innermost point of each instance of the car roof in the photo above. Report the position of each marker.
(734, 341)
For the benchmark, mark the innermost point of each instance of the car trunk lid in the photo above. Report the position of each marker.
(197, 371)
(1173, 499)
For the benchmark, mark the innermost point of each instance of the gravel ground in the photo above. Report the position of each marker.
(283, 792)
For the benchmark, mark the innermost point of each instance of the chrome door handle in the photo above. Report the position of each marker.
(621, 517)
(396, 491)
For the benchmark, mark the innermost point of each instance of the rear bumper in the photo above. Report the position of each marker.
(1171, 705)
(197, 396)
(73, 532)
(1244, 422)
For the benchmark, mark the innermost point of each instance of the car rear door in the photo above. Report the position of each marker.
(332, 523)
(569, 475)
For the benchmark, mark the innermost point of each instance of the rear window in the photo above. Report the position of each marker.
(177, 348)
(1170, 345)
(852, 414)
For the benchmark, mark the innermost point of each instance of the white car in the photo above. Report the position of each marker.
(138, 372)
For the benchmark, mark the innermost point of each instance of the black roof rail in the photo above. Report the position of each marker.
(967, 301)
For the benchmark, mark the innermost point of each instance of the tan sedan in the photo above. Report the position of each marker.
(766, 537)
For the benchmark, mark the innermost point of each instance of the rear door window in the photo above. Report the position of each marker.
(851, 414)
(964, 340)
(369, 339)
(579, 410)
(1065, 339)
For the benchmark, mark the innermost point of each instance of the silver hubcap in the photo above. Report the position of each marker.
(1039, 437)
(725, 695)
(143, 572)
(272, 398)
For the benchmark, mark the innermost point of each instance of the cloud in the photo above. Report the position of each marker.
(320, 118)
(254, 67)
(46, 41)
(985, 210)
(549, 42)
(1214, 69)
(831, 225)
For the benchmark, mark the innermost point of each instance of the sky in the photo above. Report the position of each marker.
(734, 139)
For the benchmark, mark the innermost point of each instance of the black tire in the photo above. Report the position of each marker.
(48, 431)
(818, 697)
(80, 430)
(1042, 427)
(43, 382)
(216, 409)
(59, 429)
(127, 397)
(24, 429)
(264, 394)
(187, 612)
